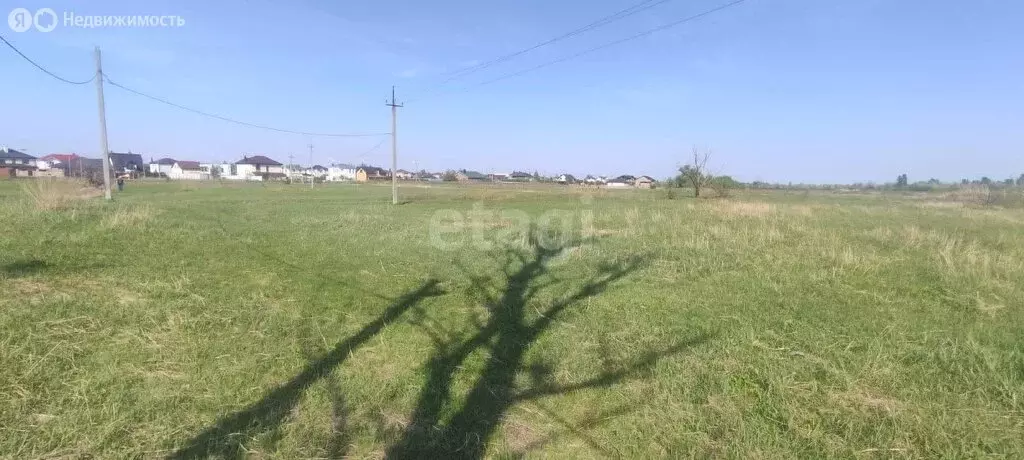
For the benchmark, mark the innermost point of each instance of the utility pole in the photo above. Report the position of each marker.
(310, 165)
(290, 164)
(104, 150)
(394, 145)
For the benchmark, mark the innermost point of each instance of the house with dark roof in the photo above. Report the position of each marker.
(622, 181)
(126, 163)
(520, 176)
(369, 173)
(259, 165)
(188, 170)
(470, 176)
(566, 179)
(13, 158)
(14, 163)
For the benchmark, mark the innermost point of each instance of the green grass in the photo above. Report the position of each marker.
(185, 320)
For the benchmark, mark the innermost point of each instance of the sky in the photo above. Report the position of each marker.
(803, 91)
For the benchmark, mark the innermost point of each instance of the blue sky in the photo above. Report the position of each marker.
(780, 90)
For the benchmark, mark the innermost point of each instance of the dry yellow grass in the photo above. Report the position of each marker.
(742, 208)
(127, 217)
(51, 194)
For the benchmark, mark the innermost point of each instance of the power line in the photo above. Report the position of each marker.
(372, 149)
(16, 50)
(622, 14)
(609, 44)
(231, 120)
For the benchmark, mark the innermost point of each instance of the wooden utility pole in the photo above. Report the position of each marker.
(310, 165)
(104, 150)
(394, 145)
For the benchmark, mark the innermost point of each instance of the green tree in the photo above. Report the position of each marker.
(215, 172)
(986, 181)
(1020, 181)
(901, 180)
(450, 176)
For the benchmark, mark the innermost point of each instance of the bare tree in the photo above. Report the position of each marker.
(695, 174)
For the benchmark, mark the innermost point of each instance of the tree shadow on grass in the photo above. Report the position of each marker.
(27, 267)
(224, 438)
(31, 267)
(508, 333)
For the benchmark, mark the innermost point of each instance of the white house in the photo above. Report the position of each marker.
(622, 181)
(341, 172)
(255, 168)
(187, 170)
(565, 179)
(223, 169)
(316, 171)
(161, 166)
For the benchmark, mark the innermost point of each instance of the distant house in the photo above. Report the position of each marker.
(223, 170)
(470, 176)
(259, 166)
(520, 176)
(591, 180)
(161, 166)
(316, 171)
(402, 174)
(566, 179)
(55, 161)
(622, 181)
(126, 163)
(498, 176)
(341, 172)
(13, 158)
(187, 170)
(371, 173)
(14, 163)
(644, 182)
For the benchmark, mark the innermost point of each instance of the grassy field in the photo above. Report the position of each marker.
(187, 320)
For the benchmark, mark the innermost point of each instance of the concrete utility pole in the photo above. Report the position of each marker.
(290, 164)
(394, 145)
(310, 165)
(104, 150)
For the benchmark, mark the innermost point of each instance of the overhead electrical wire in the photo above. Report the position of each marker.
(622, 14)
(231, 120)
(372, 149)
(608, 45)
(23, 56)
